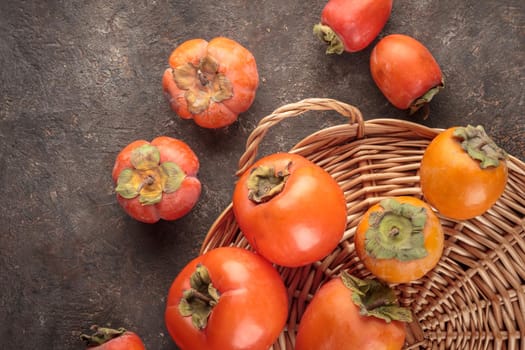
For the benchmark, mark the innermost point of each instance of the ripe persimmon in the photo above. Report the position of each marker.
(399, 239)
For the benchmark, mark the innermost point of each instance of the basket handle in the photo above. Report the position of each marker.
(294, 110)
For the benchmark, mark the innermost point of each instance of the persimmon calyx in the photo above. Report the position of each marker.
(101, 335)
(148, 179)
(264, 183)
(396, 232)
(375, 299)
(424, 100)
(479, 146)
(198, 301)
(326, 34)
(202, 84)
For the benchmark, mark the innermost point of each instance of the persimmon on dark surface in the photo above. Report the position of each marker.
(211, 82)
(351, 25)
(157, 180)
(406, 72)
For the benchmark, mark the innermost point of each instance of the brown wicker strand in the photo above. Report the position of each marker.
(293, 110)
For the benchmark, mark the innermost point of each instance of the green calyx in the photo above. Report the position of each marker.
(101, 335)
(375, 299)
(148, 179)
(326, 34)
(396, 232)
(264, 183)
(424, 100)
(479, 146)
(202, 84)
(198, 301)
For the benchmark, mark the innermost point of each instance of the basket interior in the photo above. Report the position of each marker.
(473, 299)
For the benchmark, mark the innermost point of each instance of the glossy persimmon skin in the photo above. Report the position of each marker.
(300, 225)
(356, 22)
(394, 270)
(454, 183)
(236, 62)
(251, 311)
(332, 321)
(173, 205)
(403, 69)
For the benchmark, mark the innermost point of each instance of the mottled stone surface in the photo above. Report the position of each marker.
(79, 80)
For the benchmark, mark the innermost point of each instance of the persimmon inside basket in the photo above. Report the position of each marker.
(473, 299)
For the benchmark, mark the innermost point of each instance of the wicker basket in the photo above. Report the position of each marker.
(473, 299)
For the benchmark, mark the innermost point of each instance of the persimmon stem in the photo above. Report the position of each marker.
(148, 180)
(203, 297)
(394, 232)
(376, 304)
(202, 78)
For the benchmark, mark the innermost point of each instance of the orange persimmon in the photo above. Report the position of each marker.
(291, 210)
(211, 82)
(399, 239)
(157, 180)
(463, 172)
(349, 313)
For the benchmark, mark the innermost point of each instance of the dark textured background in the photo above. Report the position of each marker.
(79, 80)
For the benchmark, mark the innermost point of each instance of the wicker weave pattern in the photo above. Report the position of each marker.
(473, 299)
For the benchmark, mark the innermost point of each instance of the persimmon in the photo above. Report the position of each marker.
(157, 180)
(463, 172)
(227, 298)
(351, 313)
(351, 25)
(291, 210)
(211, 82)
(406, 72)
(399, 239)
